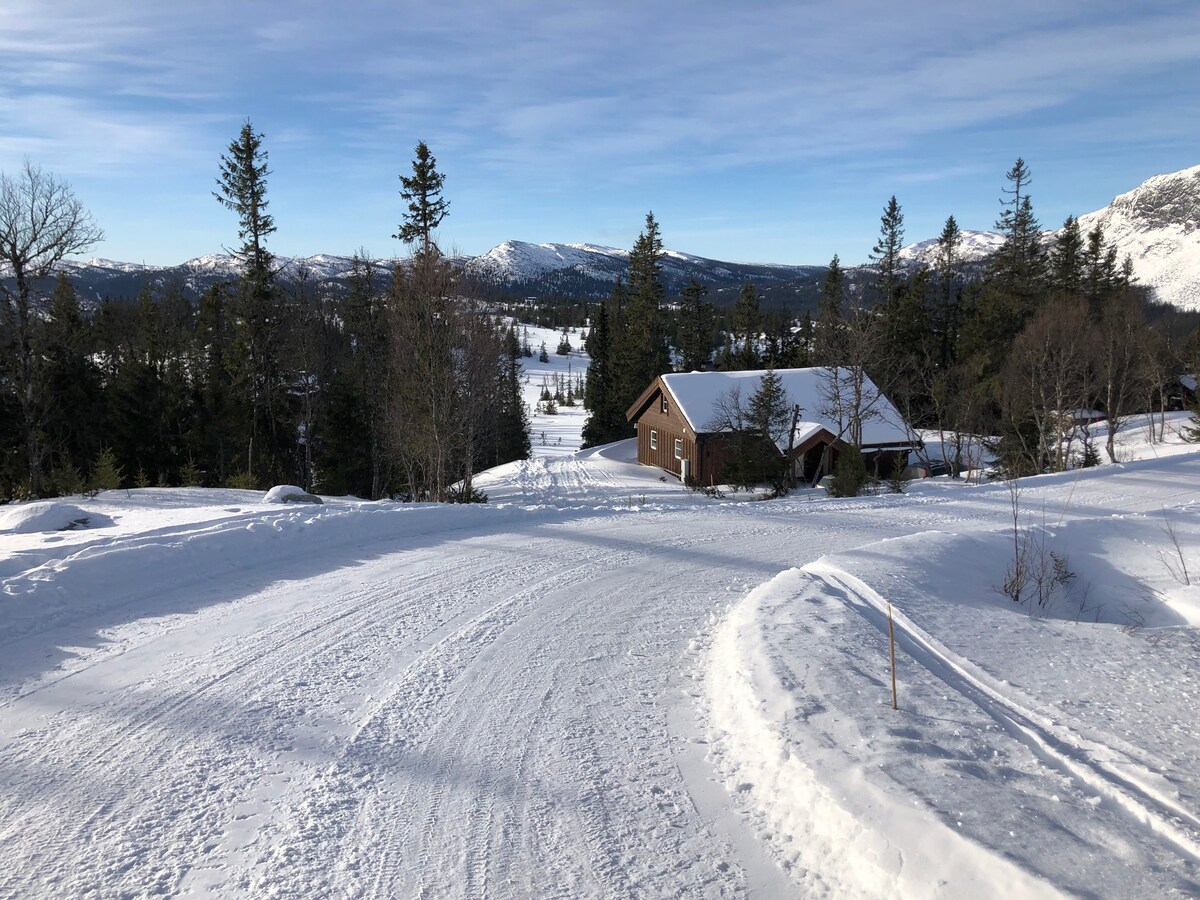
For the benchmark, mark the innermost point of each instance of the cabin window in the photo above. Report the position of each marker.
(665, 408)
(653, 439)
(678, 448)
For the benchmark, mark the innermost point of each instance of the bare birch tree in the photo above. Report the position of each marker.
(41, 222)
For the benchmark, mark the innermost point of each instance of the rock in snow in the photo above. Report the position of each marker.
(289, 493)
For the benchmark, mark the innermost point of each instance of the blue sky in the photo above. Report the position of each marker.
(771, 132)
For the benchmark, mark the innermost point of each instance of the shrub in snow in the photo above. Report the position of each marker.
(106, 474)
(190, 474)
(465, 495)
(289, 493)
(64, 480)
(849, 474)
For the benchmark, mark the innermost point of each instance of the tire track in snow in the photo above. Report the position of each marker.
(410, 830)
(396, 733)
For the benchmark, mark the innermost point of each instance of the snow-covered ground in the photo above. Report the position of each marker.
(600, 684)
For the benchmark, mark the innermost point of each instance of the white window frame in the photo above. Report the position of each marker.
(679, 448)
(653, 439)
(664, 409)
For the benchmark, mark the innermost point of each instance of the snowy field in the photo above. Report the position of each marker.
(603, 685)
(553, 435)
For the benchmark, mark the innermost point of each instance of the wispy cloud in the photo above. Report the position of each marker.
(524, 97)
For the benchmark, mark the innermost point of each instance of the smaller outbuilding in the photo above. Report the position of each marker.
(682, 422)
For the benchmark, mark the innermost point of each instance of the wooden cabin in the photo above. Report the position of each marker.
(677, 421)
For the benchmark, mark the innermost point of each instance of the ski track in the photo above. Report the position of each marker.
(1051, 742)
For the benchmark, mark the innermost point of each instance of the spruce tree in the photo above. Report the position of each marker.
(354, 453)
(1020, 264)
(695, 328)
(829, 332)
(606, 416)
(885, 255)
(242, 188)
(256, 360)
(71, 379)
(641, 351)
(512, 435)
(212, 441)
(747, 325)
(802, 344)
(1101, 276)
(106, 473)
(1007, 299)
(422, 191)
(947, 262)
(769, 411)
(135, 397)
(1066, 259)
(761, 429)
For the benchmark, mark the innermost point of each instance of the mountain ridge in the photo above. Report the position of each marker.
(1157, 225)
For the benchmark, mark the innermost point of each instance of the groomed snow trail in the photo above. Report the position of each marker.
(482, 715)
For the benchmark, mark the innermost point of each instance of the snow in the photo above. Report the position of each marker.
(47, 515)
(602, 684)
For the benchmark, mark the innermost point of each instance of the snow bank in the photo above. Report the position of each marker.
(48, 515)
(1058, 736)
(829, 823)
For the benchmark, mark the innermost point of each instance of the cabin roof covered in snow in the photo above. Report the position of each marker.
(698, 395)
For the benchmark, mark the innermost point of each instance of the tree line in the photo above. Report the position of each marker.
(406, 386)
(402, 387)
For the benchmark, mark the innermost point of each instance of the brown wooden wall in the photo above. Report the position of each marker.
(669, 427)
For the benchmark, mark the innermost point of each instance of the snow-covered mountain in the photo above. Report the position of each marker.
(1158, 225)
(522, 261)
(514, 267)
(591, 268)
(976, 246)
(98, 278)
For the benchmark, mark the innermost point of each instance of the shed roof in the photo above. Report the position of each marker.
(697, 395)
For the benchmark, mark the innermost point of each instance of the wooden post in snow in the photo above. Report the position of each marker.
(892, 641)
